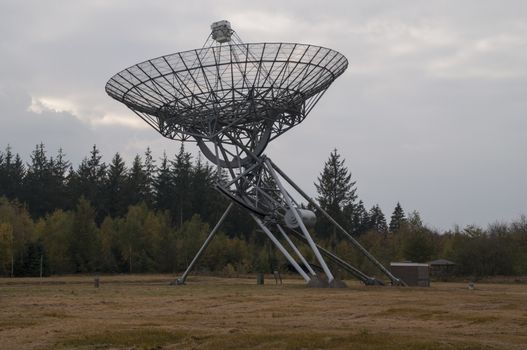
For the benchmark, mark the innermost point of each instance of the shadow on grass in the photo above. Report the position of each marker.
(146, 338)
(159, 339)
(425, 315)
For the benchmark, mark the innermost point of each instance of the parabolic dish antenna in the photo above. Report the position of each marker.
(233, 98)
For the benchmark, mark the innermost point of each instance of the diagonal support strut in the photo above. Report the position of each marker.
(289, 202)
(183, 278)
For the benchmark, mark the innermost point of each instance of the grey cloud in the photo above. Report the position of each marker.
(432, 111)
(23, 129)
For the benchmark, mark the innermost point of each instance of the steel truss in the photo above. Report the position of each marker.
(236, 94)
(260, 188)
(232, 99)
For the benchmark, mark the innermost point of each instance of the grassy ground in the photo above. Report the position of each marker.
(144, 312)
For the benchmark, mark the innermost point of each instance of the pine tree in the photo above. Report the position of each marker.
(163, 185)
(136, 184)
(116, 201)
(359, 219)
(17, 173)
(12, 173)
(377, 220)
(397, 218)
(335, 188)
(335, 192)
(38, 183)
(89, 181)
(59, 168)
(150, 174)
(35, 261)
(182, 174)
(202, 189)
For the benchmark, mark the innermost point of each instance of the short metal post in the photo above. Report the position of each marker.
(183, 278)
(281, 248)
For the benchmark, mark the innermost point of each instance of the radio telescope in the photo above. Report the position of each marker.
(232, 98)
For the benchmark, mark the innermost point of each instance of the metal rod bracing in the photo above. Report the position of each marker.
(300, 223)
(350, 237)
(339, 261)
(248, 170)
(182, 279)
(281, 248)
(295, 249)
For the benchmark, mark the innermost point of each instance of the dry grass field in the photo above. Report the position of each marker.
(144, 312)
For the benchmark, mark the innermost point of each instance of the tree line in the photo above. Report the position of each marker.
(152, 216)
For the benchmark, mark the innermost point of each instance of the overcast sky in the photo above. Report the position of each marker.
(432, 111)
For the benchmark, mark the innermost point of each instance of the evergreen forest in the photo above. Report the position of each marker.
(152, 215)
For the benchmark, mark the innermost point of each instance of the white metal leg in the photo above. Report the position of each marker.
(301, 223)
(297, 252)
(183, 278)
(281, 248)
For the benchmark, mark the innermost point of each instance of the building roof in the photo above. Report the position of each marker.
(407, 264)
(441, 262)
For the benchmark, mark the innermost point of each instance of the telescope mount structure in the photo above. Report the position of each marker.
(233, 98)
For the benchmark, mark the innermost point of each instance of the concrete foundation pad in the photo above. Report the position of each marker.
(337, 284)
(316, 282)
(177, 282)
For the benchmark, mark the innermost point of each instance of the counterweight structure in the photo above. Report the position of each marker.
(232, 99)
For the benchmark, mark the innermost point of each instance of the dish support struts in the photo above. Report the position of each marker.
(232, 99)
